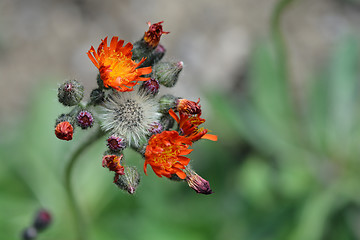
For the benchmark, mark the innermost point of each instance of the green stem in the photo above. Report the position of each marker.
(75, 208)
(279, 40)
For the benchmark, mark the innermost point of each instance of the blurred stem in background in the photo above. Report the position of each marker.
(81, 225)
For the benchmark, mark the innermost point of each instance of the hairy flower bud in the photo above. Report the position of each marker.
(150, 87)
(167, 73)
(196, 182)
(155, 56)
(116, 144)
(84, 119)
(70, 93)
(42, 220)
(130, 180)
(97, 96)
(167, 122)
(167, 102)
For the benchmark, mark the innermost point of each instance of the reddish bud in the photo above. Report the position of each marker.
(153, 35)
(156, 128)
(42, 220)
(197, 183)
(116, 143)
(188, 107)
(64, 131)
(113, 163)
(85, 119)
(151, 87)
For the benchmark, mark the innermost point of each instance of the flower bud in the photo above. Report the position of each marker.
(150, 87)
(97, 96)
(84, 119)
(153, 35)
(130, 180)
(167, 73)
(64, 130)
(167, 122)
(29, 233)
(42, 220)
(156, 127)
(167, 102)
(70, 93)
(116, 144)
(155, 56)
(196, 182)
(113, 163)
(188, 107)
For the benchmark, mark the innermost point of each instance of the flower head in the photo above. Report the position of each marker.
(64, 131)
(116, 143)
(197, 183)
(189, 126)
(85, 119)
(129, 115)
(113, 163)
(165, 154)
(189, 107)
(153, 35)
(116, 68)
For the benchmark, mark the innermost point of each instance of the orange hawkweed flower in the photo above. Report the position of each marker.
(116, 68)
(189, 126)
(153, 35)
(165, 154)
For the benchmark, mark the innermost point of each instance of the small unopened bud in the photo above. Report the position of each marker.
(42, 220)
(196, 182)
(129, 181)
(156, 127)
(70, 93)
(113, 163)
(64, 131)
(155, 56)
(167, 73)
(153, 35)
(167, 122)
(188, 107)
(29, 233)
(84, 119)
(116, 144)
(97, 96)
(167, 102)
(150, 87)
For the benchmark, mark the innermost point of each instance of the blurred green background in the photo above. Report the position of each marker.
(286, 165)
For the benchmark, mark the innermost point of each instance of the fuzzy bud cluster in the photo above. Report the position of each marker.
(127, 108)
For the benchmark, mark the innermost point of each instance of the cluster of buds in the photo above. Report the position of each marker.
(128, 110)
(41, 222)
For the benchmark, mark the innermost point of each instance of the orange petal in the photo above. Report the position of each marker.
(181, 174)
(174, 116)
(210, 137)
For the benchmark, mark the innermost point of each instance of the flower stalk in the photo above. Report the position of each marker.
(80, 223)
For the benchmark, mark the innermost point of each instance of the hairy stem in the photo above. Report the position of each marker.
(75, 208)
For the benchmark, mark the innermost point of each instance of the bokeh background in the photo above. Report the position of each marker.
(279, 85)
